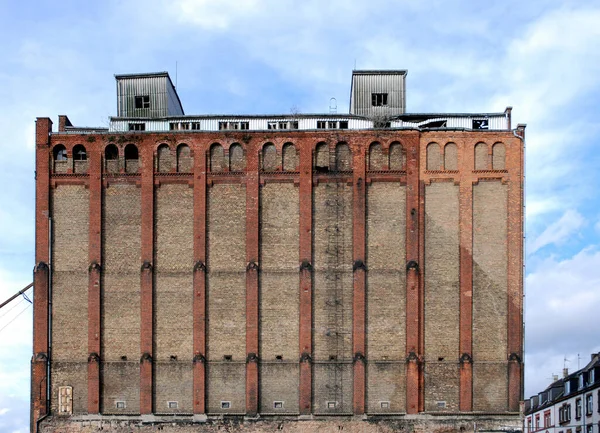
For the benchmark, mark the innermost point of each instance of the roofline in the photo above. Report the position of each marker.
(153, 74)
(379, 72)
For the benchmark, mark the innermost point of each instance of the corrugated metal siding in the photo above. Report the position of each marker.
(173, 104)
(261, 124)
(363, 86)
(129, 88)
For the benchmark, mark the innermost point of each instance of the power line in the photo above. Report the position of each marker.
(15, 318)
(20, 292)
(4, 313)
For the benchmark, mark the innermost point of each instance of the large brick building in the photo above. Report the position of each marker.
(287, 267)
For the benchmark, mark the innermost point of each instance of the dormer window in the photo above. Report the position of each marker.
(567, 387)
(142, 101)
(379, 99)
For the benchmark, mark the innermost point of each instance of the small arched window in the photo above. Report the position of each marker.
(60, 152)
(397, 157)
(499, 156)
(237, 161)
(217, 162)
(376, 158)
(164, 162)
(433, 156)
(343, 157)
(290, 157)
(322, 157)
(79, 153)
(111, 156)
(269, 157)
(450, 157)
(481, 156)
(131, 158)
(184, 159)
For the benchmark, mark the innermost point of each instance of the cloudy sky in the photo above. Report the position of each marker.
(272, 56)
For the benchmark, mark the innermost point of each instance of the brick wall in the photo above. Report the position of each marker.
(279, 279)
(121, 242)
(386, 295)
(70, 211)
(489, 296)
(226, 295)
(441, 295)
(173, 295)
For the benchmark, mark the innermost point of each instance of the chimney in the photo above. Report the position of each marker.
(554, 377)
(565, 372)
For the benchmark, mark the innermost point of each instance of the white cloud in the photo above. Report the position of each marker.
(558, 232)
(4, 411)
(212, 15)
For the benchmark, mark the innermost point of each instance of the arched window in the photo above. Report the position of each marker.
(131, 158)
(237, 161)
(79, 153)
(164, 160)
(481, 156)
(111, 157)
(433, 156)
(80, 164)
(184, 159)
(499, 156)
(290, 157)
(343, 157)
(60, 152)
(322, 157)
(397, 157)
(269, 157)
(376, 158)
(450, 157)
(217, 162)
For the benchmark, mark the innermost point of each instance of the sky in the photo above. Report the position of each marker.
(279, 56)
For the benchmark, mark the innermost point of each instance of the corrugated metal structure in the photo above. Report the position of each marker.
(378, 93)
(147, 95)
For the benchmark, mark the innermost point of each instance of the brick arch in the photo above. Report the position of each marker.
(343, 156)
(185, 161)
(499, 156)
(376, 157)
(481, 156)
(289, 157)
(269, 160)
(164, 158)
(132, 158)
(237, 157)
(450, 156)
(397, 156)
(434, 160)
(216, 156)
(321, 156)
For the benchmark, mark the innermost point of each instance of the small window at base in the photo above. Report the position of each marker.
(120, 404)
(225, 405)
(277, 405)
(384, 404)
(172, 404)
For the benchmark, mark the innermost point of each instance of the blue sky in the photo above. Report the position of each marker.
(274, 56)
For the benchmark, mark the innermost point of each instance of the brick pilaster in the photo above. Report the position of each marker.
(199, 303)
(305, 332)
(413, 270)
(466, 281)
(146, 279)
(95, 281)
(41, 277)
(359, 269)
(515, 164)
(252, 271)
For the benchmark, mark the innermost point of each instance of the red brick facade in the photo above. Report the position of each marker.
(428, 377)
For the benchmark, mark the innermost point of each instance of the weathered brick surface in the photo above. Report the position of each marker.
(237, 160)
(226, 280)
(343, 157)
(173, 294)
(279, 276)
(332, 217)
(165, 159)
(377, 160)
(499, 156)
(489, 271)
(441, 385)
(226, 382)
(481, 156)
(386, 295)
(290, 157)
(185, 161)
(279, 382)
(269, 158)
(434, 157)
(217, 158)
(332, 383)
(489, 296)
(80, 167)
(397, 157)
(70, 209)
(121, 241)
(441, 294)
(450, 157)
